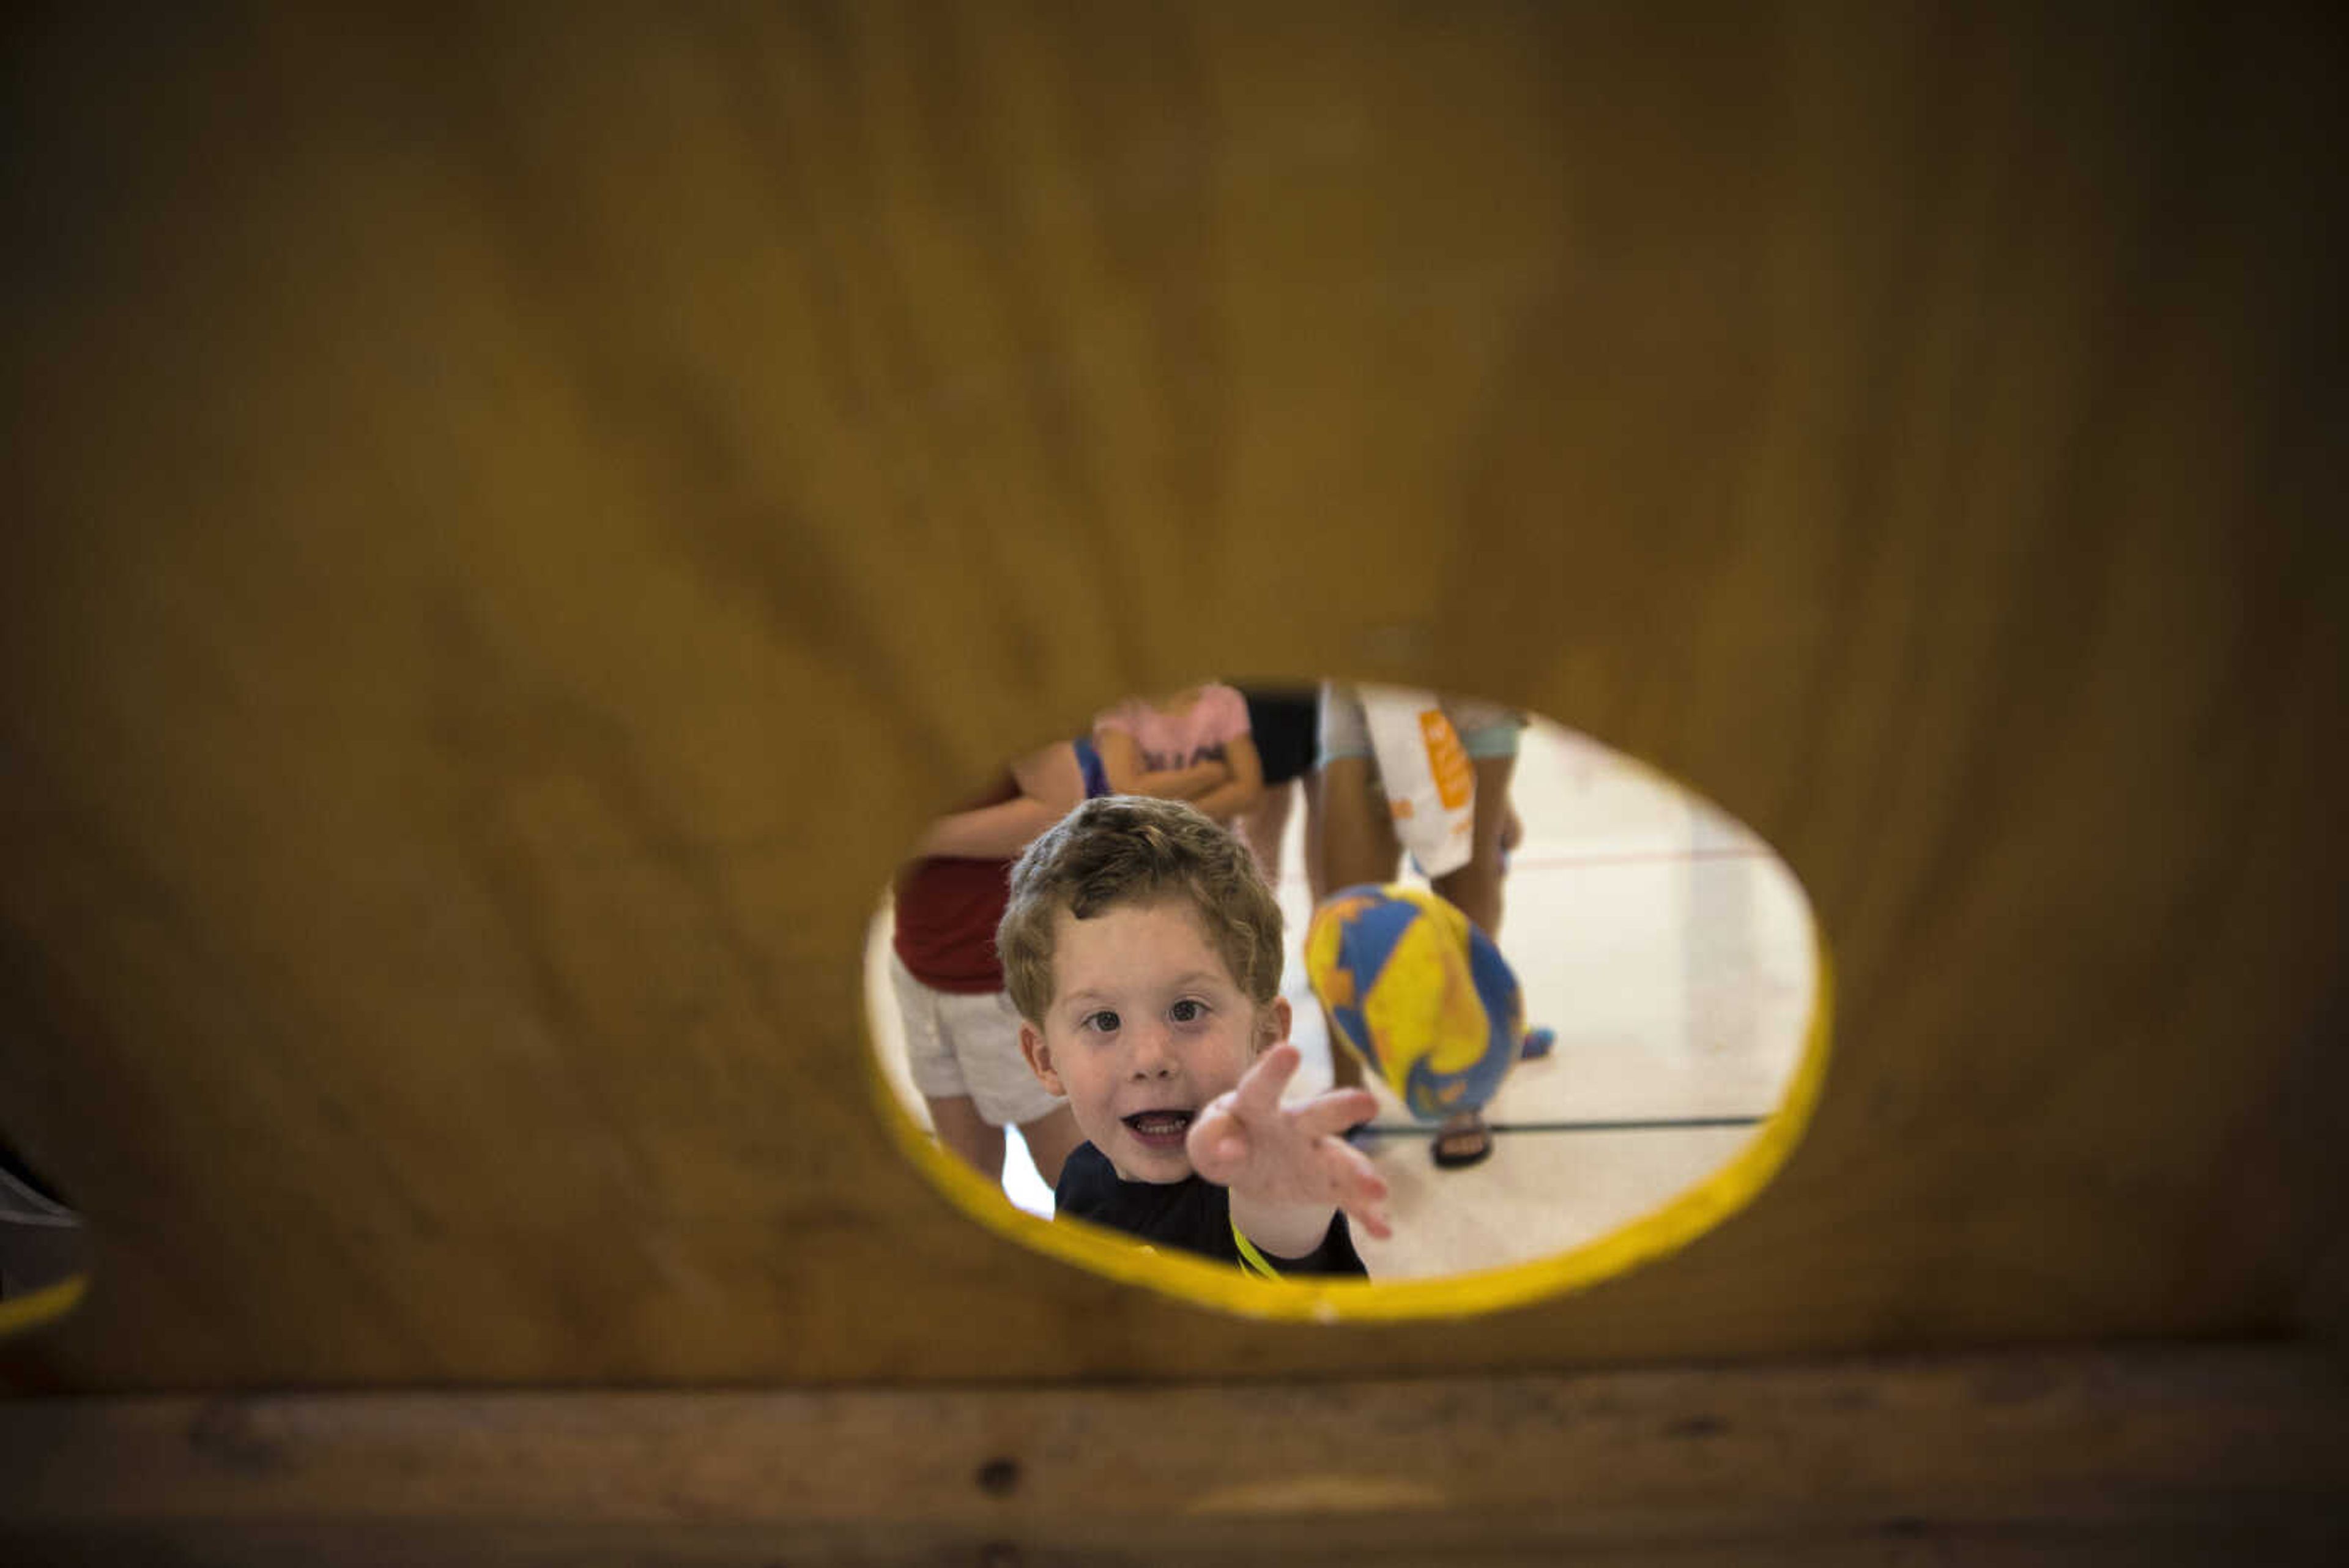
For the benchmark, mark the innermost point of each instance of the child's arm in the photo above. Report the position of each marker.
(1121, 762)
(1241, 789)
(1050, 787)
(1287, 1171)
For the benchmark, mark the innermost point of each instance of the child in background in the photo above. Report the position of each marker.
(1284, 723)
(1194, 745)
(1359, 844)
(1142, 951)
(962, 1038)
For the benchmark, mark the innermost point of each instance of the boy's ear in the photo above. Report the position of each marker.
(1273, 1025)
(1039, 1058)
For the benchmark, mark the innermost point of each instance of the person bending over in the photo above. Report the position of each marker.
(1193, 745)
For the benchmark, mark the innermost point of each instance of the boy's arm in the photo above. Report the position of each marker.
(1050, 787)
(1121, 762)
(1243, 786)
(1288, 1170)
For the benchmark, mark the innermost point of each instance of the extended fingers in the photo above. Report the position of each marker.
(1217, 1144)
(1333, 1113)
(1259, 1092)
(1360, 1189)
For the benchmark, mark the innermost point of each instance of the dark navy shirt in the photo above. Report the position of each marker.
(1194, 1214)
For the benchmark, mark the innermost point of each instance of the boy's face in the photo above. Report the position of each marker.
(1145, 1026)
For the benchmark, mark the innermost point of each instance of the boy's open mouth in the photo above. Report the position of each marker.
(1160, 1129)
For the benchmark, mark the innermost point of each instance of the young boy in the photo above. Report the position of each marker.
(1142, 951)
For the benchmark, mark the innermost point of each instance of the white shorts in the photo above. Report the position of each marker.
(1487, 730)
(968, 1046)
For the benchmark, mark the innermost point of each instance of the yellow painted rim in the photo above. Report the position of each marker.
(46, 1305)
(1681, 1221)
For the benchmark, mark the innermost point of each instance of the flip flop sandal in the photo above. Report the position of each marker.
(1456, 1159)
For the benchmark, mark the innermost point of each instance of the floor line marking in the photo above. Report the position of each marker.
(1654, 1125)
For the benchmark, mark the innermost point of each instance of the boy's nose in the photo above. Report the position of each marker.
(1153, 1057)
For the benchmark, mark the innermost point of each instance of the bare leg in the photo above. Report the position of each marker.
(1262, 829)
(1358, 840)
(1051, 1138)
(963, 1130)
(1358, 844)
(1475, 888)
(1308, 785)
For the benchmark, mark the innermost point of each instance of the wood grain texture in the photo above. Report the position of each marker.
(515, 516)
(2167, 1457)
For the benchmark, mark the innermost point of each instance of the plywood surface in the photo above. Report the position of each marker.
(2177, 1456)
(513, 518)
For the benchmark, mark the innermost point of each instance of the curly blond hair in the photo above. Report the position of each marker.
(1124, 849)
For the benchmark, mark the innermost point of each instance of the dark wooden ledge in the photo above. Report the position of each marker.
(2172, 1454)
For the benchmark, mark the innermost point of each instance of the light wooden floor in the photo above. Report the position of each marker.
(1669, 947)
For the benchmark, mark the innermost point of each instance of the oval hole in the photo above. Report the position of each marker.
(1675, 1005)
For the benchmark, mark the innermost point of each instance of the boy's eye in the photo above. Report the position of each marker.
(1104, 1021)
(1189, 1012)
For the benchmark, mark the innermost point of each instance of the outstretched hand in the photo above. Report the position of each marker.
(1289, 1156)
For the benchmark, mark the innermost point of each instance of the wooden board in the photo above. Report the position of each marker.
(513, 519)
(2217, 1453)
